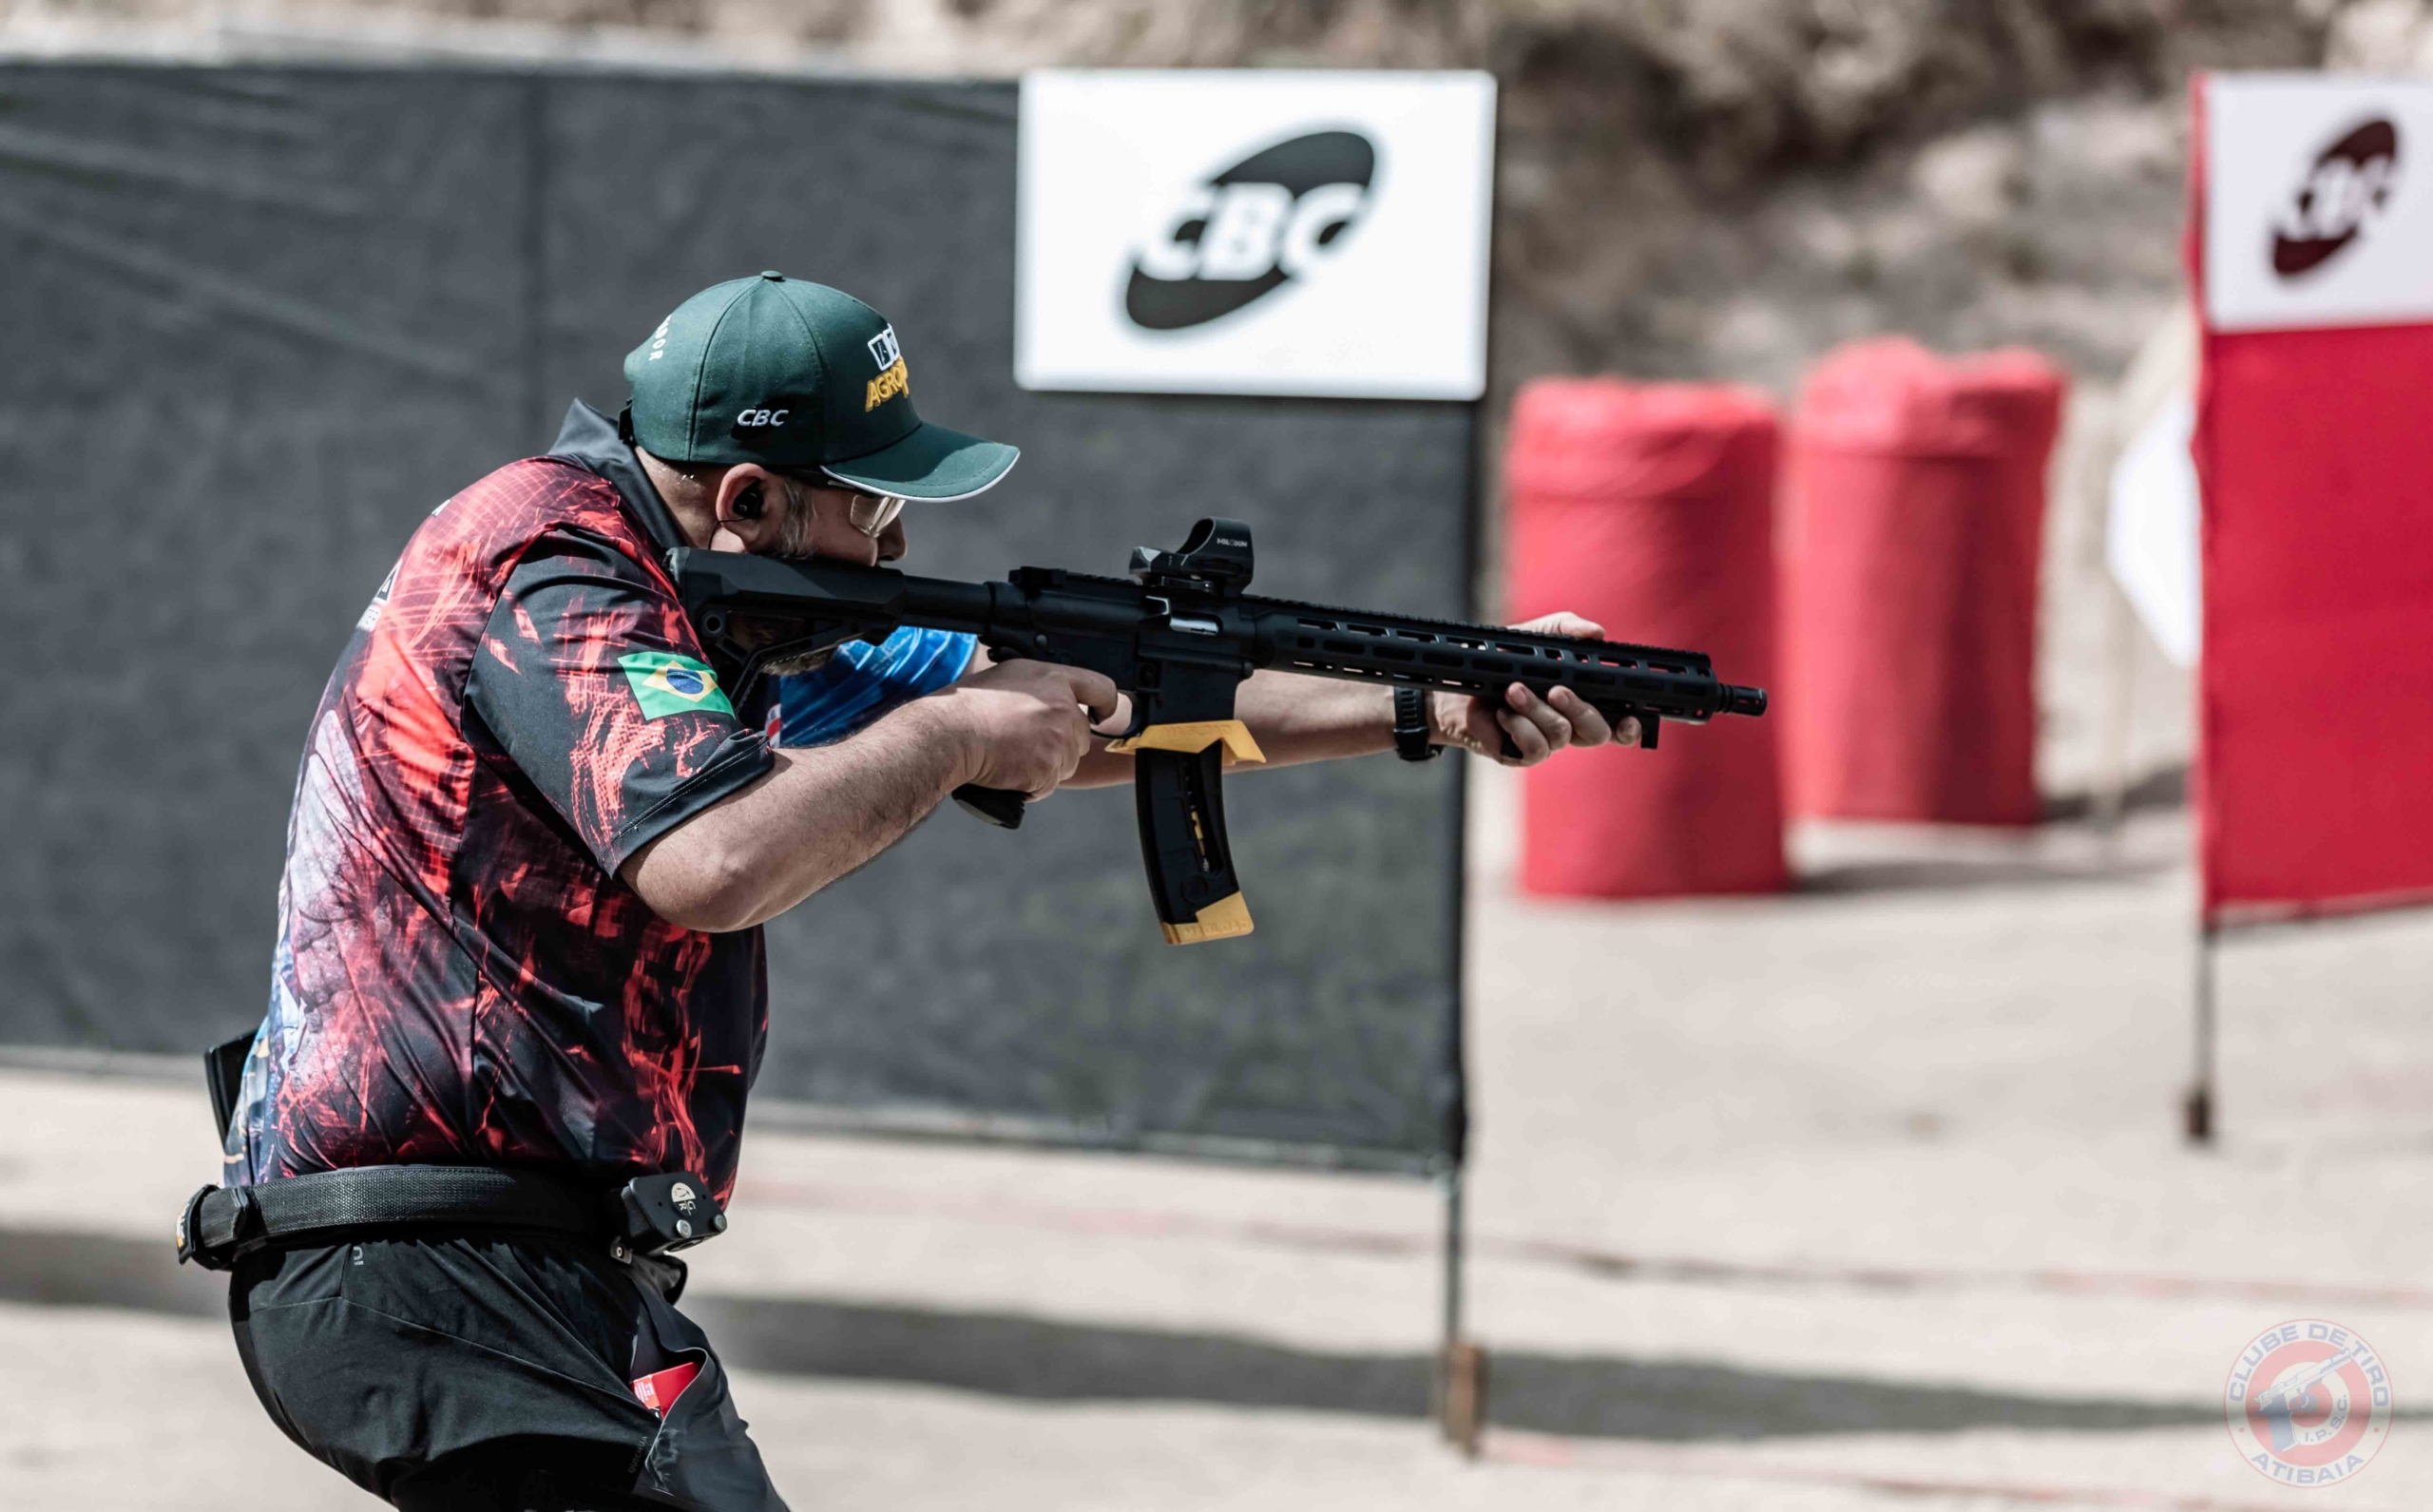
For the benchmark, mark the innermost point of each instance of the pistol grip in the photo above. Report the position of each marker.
(1001, 807)
(1182, 801)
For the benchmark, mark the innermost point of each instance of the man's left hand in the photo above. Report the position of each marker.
(1538, 727)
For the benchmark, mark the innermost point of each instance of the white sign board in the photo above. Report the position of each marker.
(2151, 535)
(1256, 231)
(2318, 201)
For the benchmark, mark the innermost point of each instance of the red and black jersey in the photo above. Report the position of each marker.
(460, 976)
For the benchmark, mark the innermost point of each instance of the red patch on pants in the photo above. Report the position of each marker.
(660, 1390)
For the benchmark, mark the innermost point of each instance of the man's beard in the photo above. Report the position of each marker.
(794, 532)
(794, 543)
(789, 666)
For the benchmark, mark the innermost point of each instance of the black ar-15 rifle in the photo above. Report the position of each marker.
(1179, 641)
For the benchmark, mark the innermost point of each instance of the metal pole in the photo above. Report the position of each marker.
(1461, 1366)
(2197, 1110)
(1452, 1259)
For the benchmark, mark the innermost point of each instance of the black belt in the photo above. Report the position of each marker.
(649, 1216)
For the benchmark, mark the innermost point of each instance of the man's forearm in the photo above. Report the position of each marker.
(819, 815)
(1293, 719)
(1303, 718)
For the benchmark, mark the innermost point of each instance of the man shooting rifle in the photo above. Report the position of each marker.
(519, 994)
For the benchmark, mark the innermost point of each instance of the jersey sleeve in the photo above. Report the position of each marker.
(594, 686)
(863, 681)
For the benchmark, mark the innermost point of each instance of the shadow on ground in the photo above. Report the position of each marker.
(2071, 846)
(1588, 1396)
(1045, 1360)
(1945, 874)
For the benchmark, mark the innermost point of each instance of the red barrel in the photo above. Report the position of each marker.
(1913, 531)
(1649, 508)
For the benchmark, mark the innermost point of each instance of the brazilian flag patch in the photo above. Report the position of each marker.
(665, 684)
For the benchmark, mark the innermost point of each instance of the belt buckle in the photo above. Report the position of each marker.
(659, 1214)
(190, 1228)
(193, 1246)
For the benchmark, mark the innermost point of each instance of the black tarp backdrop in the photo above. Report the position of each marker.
(260, 321)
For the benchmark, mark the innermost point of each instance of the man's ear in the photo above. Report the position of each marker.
(750, 504)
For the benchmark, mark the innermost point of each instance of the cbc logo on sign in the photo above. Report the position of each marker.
(2349, 183)
(1279, 213)
(1272, 230)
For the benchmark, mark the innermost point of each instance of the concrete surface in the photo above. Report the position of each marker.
(1867, 1196)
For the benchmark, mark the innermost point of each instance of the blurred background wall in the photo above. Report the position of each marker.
(1722, 190)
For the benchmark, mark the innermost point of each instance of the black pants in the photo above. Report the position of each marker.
(491, 1374)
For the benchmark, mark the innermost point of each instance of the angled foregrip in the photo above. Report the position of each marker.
(1002, 807)
(1181, 799)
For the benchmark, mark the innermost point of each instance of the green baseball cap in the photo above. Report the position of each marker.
(797, 376)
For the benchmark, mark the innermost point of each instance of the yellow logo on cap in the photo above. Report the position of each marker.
(886, 386)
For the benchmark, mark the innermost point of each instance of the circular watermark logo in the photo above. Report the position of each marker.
(2309, 1403)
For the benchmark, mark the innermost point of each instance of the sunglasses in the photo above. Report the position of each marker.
(870, 513)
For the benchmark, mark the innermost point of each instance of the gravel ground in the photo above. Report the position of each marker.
(1868, 1197)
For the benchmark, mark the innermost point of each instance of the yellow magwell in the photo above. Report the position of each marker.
(1195, 736)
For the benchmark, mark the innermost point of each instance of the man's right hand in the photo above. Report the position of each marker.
(1025, 723)
(823, 811)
